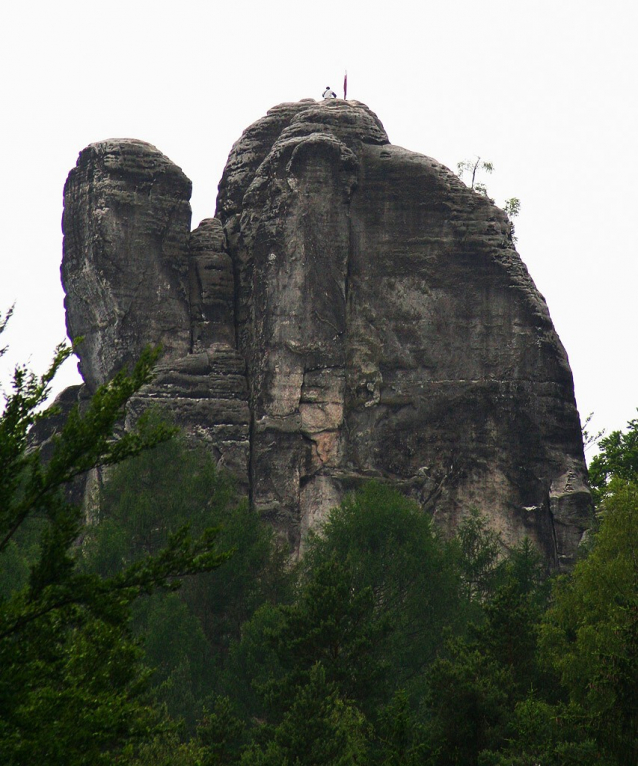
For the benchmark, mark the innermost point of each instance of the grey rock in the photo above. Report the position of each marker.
(134, 275)
(354, 311)
(391, 330)
(212, 287)
(126, 226)
(205, 394)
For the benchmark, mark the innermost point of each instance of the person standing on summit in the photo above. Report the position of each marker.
(329, 93)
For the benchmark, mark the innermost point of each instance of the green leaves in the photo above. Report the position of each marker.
(333, 623)
(617, 460)
(319, 728)
(590, 634)
(72, 682)
(22, 480)
(388, 544)
(479, 549)
(473, 167)
(512, 207)
(170, 493)
(468, 704)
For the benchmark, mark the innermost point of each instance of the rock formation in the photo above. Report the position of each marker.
(353, 312)
(125, 269)
(135, 275)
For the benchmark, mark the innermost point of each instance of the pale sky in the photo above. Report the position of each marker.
(545, 90)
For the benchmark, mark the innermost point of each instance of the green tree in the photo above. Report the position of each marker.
(399, 735)
(72, 683)
(473, 168)
(220, 734)
(388, 544)
(164, 748)
(467, 706)
(333, 623)
(548, 734)
(590, 634)
(508, 632)
(187, 636)
(479, 551)
(319, 728)
(618, 459)
(315, 665)
(473, 689)
(377, 590)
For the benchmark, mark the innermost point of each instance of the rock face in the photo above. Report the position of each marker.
(206, 395)
(353, 312)
(135, 275)
(125, 269)
(212, 287)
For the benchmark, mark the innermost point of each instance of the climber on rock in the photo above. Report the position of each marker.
(329, 93)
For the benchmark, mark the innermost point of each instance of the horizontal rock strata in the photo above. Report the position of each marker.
(205, 394)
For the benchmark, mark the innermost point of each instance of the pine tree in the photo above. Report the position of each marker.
(72, 682)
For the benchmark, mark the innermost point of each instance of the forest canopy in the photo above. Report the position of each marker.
(173, 628)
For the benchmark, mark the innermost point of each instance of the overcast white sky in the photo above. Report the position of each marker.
(544, 89)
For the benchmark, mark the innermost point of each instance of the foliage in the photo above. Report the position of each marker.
(618, 459)
(590, 439)
(590, 634)
(3, 324)
(377, 591)
(187, 636)
(319, 728)
(221, 734)
(473, 167)
(511, 206)
(400, 737)
(151, 495)
(478, 550)
(472, 691)
(511, 617)
(388, 545)
(540, 733)
(467, 704)
(71, 678)
(164, 748)
(332, 623)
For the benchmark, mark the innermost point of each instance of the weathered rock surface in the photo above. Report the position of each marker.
(212, 287)
(126, 225)
(354, 311)
(391, 330)
(135, 275)
(206, 395)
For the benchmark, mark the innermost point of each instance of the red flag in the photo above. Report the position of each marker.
(345, 86)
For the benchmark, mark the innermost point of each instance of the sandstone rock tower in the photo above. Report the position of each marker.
(354, 311)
